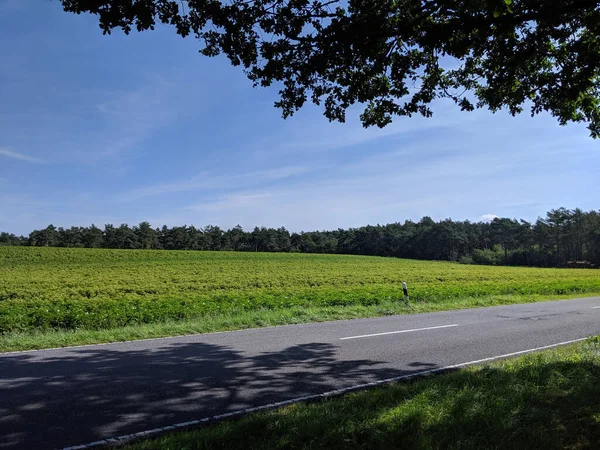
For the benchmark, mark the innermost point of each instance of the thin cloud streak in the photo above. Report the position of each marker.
(206, 181)
(132, 117)
(388, 187)
(20, 156)
(325, 136)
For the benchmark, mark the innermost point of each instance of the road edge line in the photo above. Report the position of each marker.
(128, 438)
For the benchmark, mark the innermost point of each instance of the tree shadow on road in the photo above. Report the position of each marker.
(94, 393)
(540, 402)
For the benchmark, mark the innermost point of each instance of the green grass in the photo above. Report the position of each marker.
(546, 400)
(39, 339)
(55, 297)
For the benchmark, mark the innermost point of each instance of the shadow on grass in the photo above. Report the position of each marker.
(538, 402)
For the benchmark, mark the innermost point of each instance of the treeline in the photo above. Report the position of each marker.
(562, 238)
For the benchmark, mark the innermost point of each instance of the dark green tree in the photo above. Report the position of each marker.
(146, 235)
(70, 237)
(562, 238)
(394, 56)
(11, 239)
(237, 238)
(92, 237)
(505, 232)
(121, 237)
(48, 237)
(213, 237)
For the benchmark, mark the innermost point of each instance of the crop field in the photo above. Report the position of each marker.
(95, 289)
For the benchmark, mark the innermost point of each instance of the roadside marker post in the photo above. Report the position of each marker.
(405, 289)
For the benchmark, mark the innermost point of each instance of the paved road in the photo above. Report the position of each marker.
(67, 397)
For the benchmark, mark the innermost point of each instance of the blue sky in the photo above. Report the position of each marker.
(113, 129)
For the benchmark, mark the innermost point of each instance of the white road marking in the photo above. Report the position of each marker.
(338, 392)
(595, 307)
(396, 332)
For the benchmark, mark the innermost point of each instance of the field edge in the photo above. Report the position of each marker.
(40, 340)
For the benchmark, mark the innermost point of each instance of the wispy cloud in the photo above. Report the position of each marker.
(131, 117)
(25, 211)
(20, 156)
(325, 136)
(207, 181)
(437, 177)
(104, 126)
(233, 201)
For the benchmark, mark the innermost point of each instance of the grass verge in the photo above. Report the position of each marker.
(30, 340)
(546, 400)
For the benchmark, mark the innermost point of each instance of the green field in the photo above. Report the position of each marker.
(547, 400)
(76, 295)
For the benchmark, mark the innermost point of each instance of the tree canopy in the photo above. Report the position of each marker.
(394, 57)
(563, 238)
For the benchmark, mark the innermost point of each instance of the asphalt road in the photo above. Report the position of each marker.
(69, 397)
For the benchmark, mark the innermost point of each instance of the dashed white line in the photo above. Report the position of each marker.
(338, 392)
(595, 307)
(397, 332)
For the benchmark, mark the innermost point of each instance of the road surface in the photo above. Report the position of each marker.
(75, 396)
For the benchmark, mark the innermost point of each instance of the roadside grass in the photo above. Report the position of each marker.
(238, 320)
(545, 400)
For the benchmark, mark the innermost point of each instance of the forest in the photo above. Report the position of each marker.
(562, 238)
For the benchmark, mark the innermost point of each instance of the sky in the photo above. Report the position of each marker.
(123, 129)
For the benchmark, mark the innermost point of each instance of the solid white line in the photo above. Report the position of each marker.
(396, 332)
(595, 307)
(338, 392)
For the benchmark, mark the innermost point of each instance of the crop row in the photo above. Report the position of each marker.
(52, 288)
